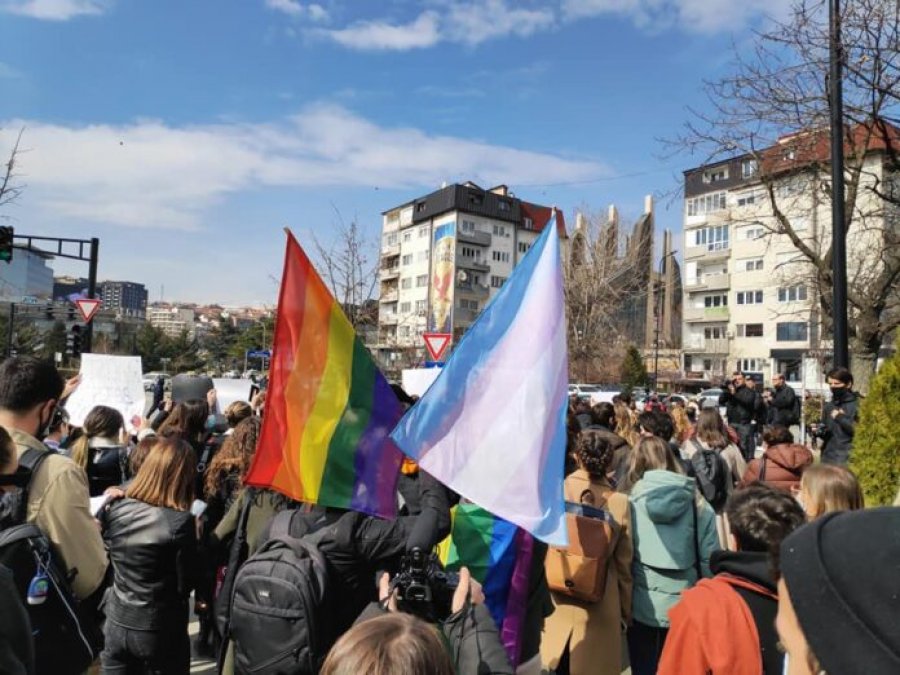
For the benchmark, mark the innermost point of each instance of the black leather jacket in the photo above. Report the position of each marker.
(153, 552)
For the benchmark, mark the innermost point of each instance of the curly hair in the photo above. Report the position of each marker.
(593, 453)
(235, 455)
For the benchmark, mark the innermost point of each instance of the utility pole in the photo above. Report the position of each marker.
(838, 229)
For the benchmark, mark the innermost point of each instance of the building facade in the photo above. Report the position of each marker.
(126, 298)
(443, 257)
(27, 278)
(750, 296)
(172, 321)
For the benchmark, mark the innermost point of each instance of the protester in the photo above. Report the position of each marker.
(625, 423)
(139, 454)
(674, 535)
(825, 488)
(726, 625)
(655, 424)
(583, 412)
(782, 463)
(681, 422)
(741, 405)
(784, 404)
(834, 616)
(839, 416)
(236, 413)
(58, 432)
(152, 546)
(603, 423)
(190, 420)
(100, 450)
(588, 636)
(711, 434)
(58, 500)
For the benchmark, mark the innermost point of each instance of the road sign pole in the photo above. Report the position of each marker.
(88, 337)
(10, 329)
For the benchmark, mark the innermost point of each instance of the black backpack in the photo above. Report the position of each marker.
(279, 622)
(712, 474)
(66, 638)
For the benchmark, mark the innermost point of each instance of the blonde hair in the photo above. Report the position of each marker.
(650, 454)
(102, 421)
(166, 477)
(625, 423)
(681, 422)
(389, 644)
(829, 488)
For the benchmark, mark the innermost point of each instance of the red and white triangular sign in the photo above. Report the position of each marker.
(88, 307)
(437, 344)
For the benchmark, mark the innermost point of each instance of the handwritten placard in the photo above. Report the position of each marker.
(113, 381)
(228, 391)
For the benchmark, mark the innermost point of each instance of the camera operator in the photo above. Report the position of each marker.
(470, 636)
(741, 406)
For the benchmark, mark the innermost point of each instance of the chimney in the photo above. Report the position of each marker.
(579, 222)
(648, 204)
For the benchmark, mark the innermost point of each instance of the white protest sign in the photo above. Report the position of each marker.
(113, 381)
(229, 390)
(417, 380)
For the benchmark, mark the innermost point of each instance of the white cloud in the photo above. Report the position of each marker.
(54, 10)
(7, 72)
(149, 174)
(698, 16)
(297, 10)
(381, 35)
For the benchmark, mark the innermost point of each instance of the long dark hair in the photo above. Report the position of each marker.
(187, 419)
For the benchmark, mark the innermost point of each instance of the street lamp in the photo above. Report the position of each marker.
(658, 313)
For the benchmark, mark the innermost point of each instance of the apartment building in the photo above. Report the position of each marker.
(172, 321)
(750, 296)
(126, 298)
(444, 256)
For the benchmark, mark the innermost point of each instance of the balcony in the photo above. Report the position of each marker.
(706, 314)
(478, 238)
(467, 263)
(476, 290)
(388, 318)
(697, 344)
(386, 273)
(389, 295)
(710, 282)
(388, 250)
(717, 251)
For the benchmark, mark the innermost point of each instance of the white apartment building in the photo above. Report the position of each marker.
(750, 298)
(172, 320)
(444, 256)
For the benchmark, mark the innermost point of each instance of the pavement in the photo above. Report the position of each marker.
(201, 665)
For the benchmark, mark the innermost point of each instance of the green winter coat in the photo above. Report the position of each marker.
(662, 522)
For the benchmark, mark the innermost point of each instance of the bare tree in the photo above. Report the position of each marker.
(10, 187)
(599, 284)
(350, 268)
(774, 110)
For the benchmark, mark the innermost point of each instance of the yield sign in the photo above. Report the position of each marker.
(437, 344)
(88, 307)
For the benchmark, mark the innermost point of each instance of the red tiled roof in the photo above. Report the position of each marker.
(540, 216)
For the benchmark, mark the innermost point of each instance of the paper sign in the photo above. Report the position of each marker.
(97, 504)
(230, 390)
(113, 381)
(417, 380)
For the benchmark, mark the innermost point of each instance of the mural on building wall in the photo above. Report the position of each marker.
(443, 273)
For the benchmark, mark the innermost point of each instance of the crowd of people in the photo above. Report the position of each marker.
(692, 550)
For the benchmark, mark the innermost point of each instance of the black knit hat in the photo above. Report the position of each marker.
(843, 575)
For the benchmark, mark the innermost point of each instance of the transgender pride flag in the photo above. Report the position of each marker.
(492, 426)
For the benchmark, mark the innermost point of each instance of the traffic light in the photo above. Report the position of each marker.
(6, 243)
(73, 341)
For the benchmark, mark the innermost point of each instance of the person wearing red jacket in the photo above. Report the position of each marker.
(782, 463)
(726, 625)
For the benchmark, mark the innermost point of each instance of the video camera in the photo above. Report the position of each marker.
(423, 587)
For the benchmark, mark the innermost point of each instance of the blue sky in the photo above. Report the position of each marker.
(188, 134)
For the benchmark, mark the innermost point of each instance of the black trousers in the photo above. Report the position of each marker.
(645, 645)
(146, 652)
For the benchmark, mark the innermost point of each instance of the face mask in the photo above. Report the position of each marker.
(44, 428)
(837, 392)
(63, 440)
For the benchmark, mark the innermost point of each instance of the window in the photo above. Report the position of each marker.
(746, 199)
(501, 256)
(714, 332)
(715, 301)
(421, 281)
(407, 237)
(751, 265)
(528, 223)
(471, 252)
(421, 306)
(476, 198)
(750, 330)
(792, 331)
(754, 233)
(752, 365)
(715, 175)
(402, 331)
(504, 205)
(468, 304)
(501, 231)
(714, 201)
(792, 293)
(407, 259)
(713, 238)
(497, 282)
(423, 232)
(405, 307)
(524, 246)
(420, 207)
(749, 297)
(406, 283)
(467, 226)
(390, 239)
(749, 167)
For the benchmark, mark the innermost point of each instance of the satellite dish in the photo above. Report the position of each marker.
(462, 276)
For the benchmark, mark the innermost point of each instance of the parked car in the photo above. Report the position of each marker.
(149, 380)
(594, 393)
(709, 398)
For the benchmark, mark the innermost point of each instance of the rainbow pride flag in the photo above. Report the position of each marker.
(329, 410)
(498, 554)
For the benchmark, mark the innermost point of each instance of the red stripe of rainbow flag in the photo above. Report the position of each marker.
(329, 409)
